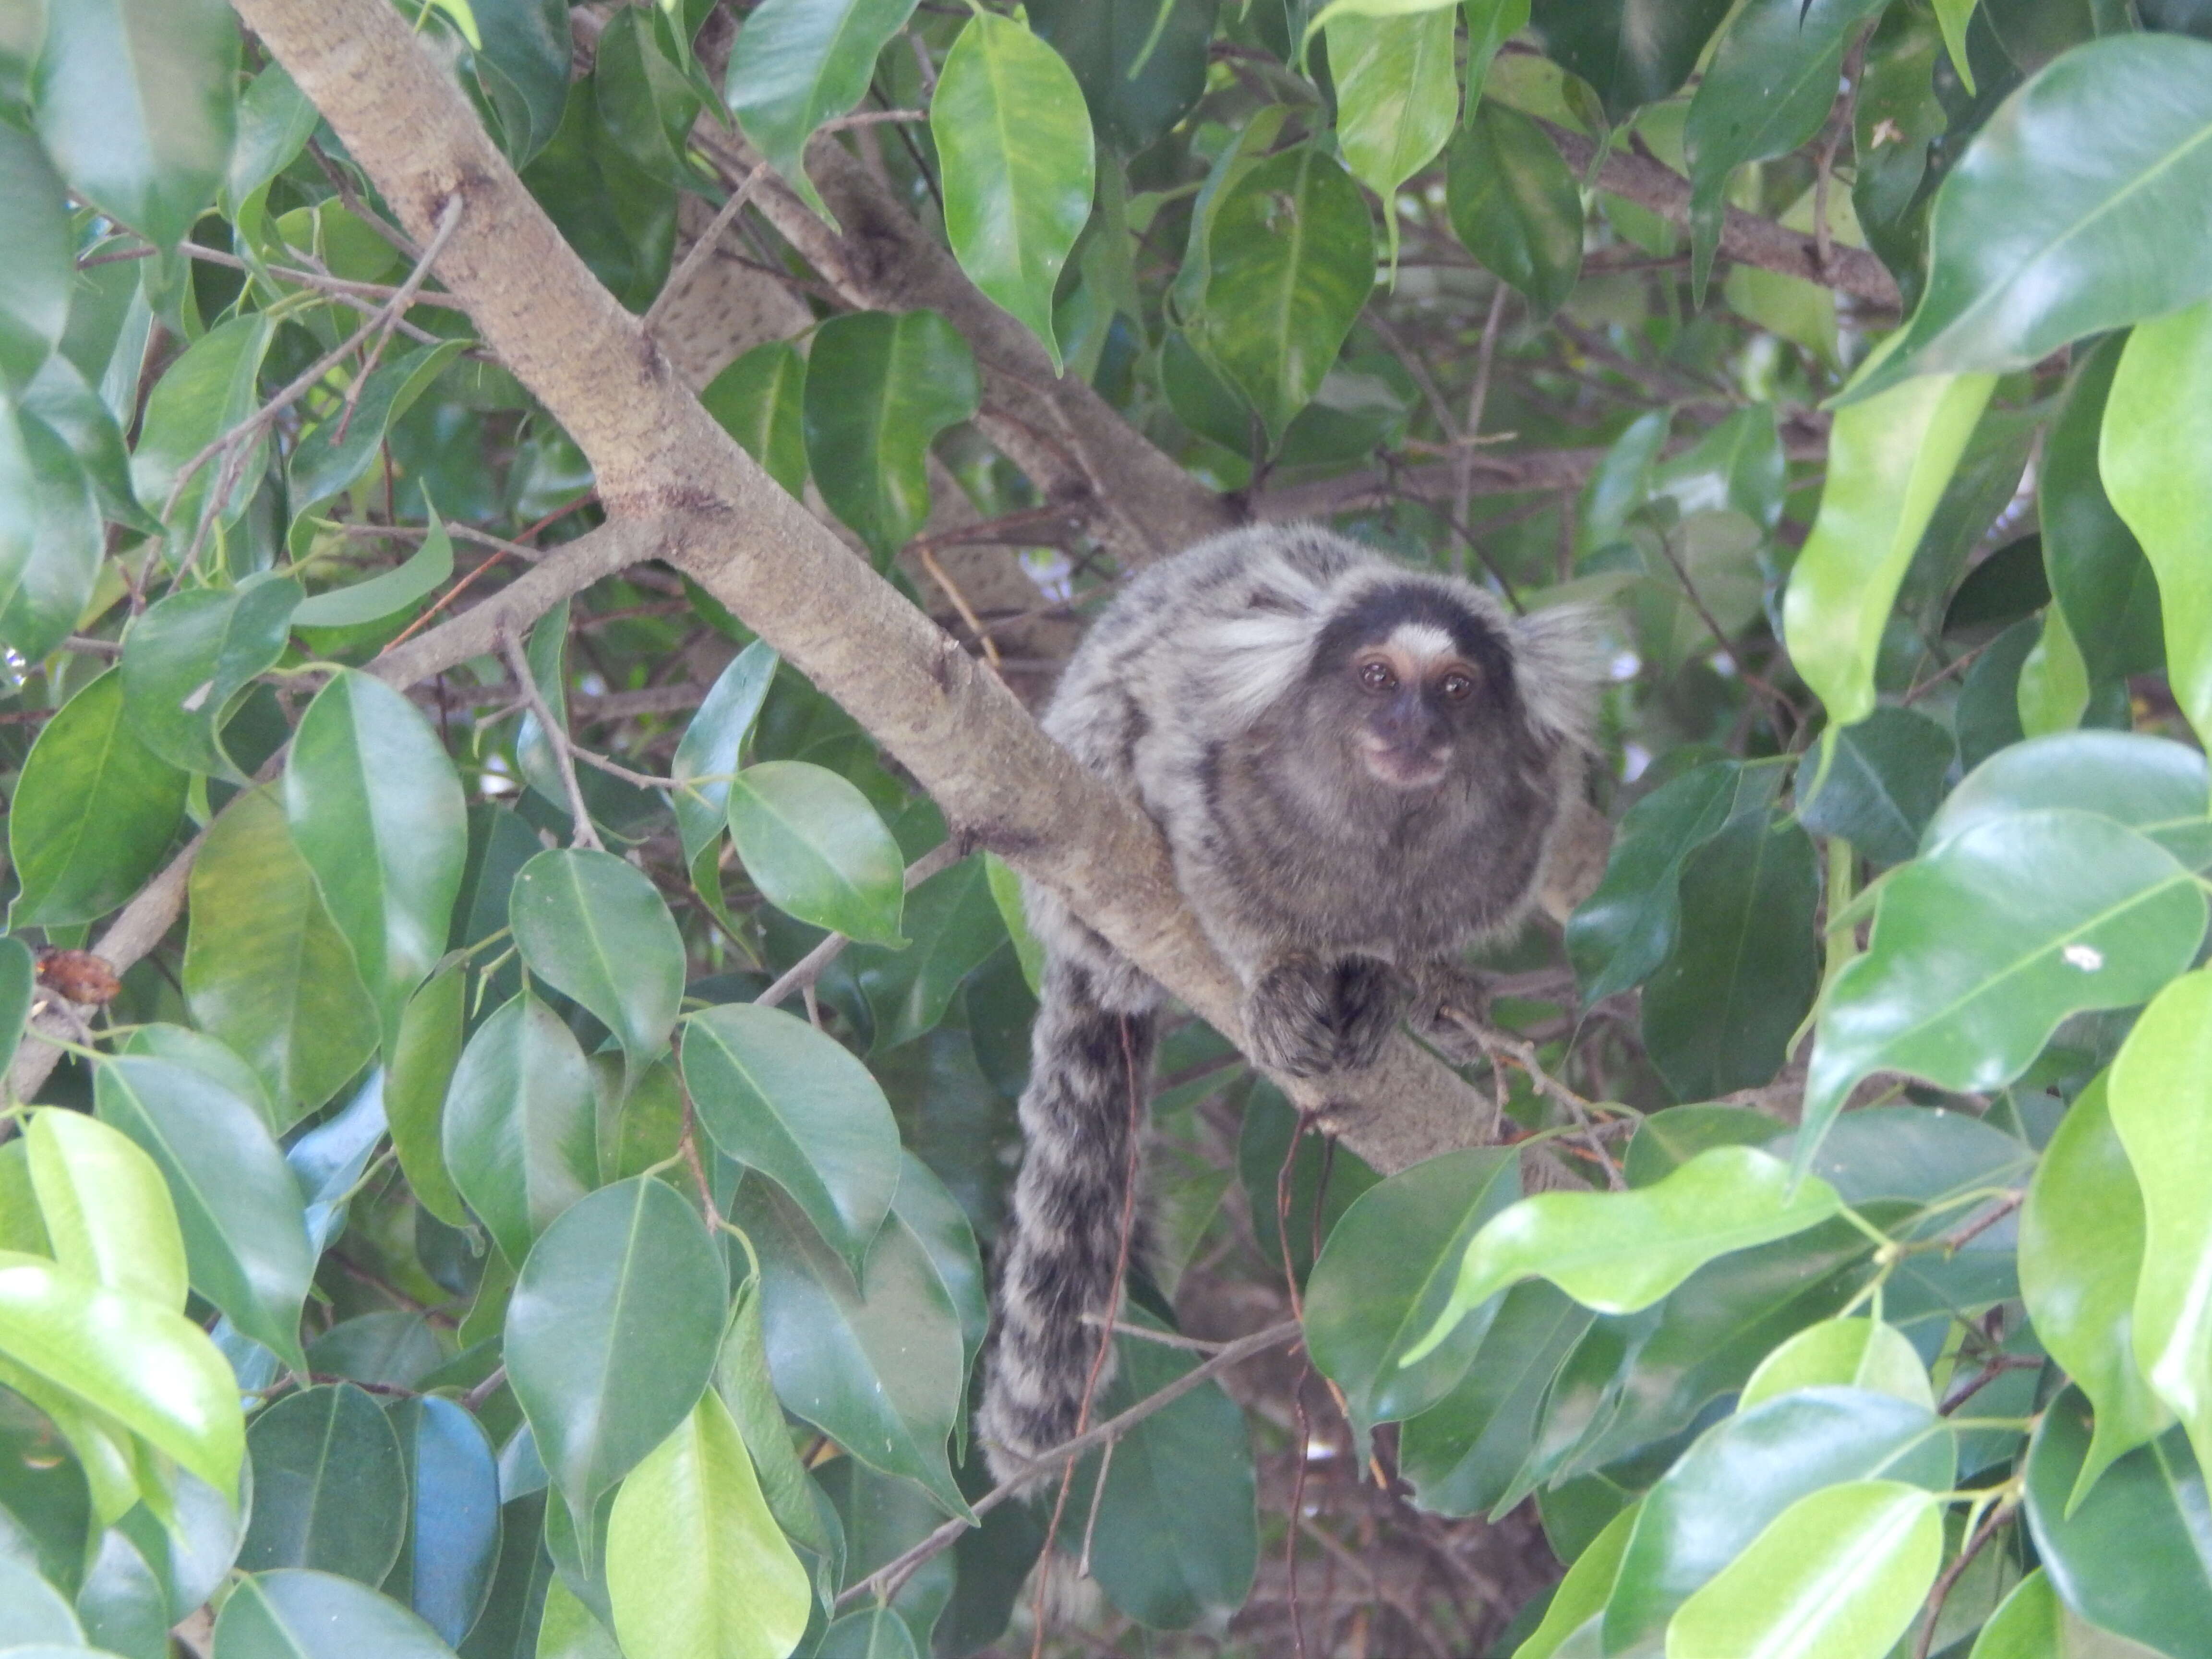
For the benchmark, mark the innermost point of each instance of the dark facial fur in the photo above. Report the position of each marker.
(1357, 768)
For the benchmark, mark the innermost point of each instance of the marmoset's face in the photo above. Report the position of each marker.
(1412, 683)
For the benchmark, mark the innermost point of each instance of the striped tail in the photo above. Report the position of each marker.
(1062, 1243)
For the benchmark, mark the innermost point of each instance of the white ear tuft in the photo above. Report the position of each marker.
(1558, 667)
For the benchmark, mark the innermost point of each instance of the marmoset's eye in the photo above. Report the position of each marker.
(1456, 686)
(1375, 676)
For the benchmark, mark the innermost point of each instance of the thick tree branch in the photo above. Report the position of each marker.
(658, 455)
(1745, 237)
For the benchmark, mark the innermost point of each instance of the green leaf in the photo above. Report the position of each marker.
(612, 1332)
(244, 1230)
(1747, 1472)
(123, 1601)
(955, 928)
(266, 970)
(876, 1367)
(2033, 1623)
(2124, 1555)
(50, 541)
(275, 121)
(1515, 205)
(1769, 89)
(1141, 64)
(1385, 1275)
(569, 1630)
(799, 63)
(1619, 1252)
(519, 1135)
(878, 1634)
(695, 1564)
(879, 388)
(646, 103)
(152, 1371)
(452, 1544)
(1880, 783)
(1015, 152)
(294, 1614)
(760, 400)
(198, 1052)
(1838, 1575)
(1397, 97)
(714, 742)
(816, 849)
(106, 1208)
(780, 1096)
(37, 266)
(18, 983)
(2160, 1097)
(2080, 1250)
(1581, 1593)
(1719, 1013)
(2160, 481)
(32, 1613)
(2098, 573)
(522, 64)
(1291, 263)
(741, 1379)
(2060, 220)
(1624, 930)
(69, 409)
(423, 571)
(337, 449)
(329, 1490)
(190, 655)
(598, 929)
(203, 394)
(2154, 785)
(2053, 692)
(1853, 1353)
(1629, 55)
(136, 101)
(1889, 459)
(1006, 894)
(93, 812)
(1983, 945)
(424, 1056)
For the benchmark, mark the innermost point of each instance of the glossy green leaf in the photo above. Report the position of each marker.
(570, 1629)
(93, 812)
(1291, 262)
(714, 742)
(204, 393)
(452, 1542)
(1629, 53)
(2081, 1251)
(519, 1133)
(152, 1371)
(188, 657)
(1983, 945)
(329, 1490)
(816, 849)
(2160, 1099)
(742, 1380)
(245, 1234)
(695, 1564)
(2125, 1554)
(1581, 1593)
(1889, 459)
(266, 970)
(135, 102)
(612, 1332)
(780, 1096)
(1719, 1013)
(1769, 89)
(2034, 1624)
(298, 1614)
(68, 407)
(1397, 97)
(877, 1368)
(2025, 253)
(36, 267)
(106, 1209)
(1141, 65)
(1007, 893)
(646, 102)
(123, 1601)
(50, 533)
(1619, 1252)
(376, 810)
(1515, 205)
(203, 1053)
(336, 450)
(275, 121)
(1745, 1472)
(1853, 1353)
(19, 984)
(1386, 1273)
(2153, 785)
(2154, 468)
(423, 1058)
(797, 64)
(522, 64)
(954, 925)
(760, 400)
(422, 572)
(1838, 1575)
(2096, 567)
(1017, 168)
(2053, 691)
(1187, 298)
(32, 1613)
(598, 929)
(878, 1634)
(1880, 783)
(879, 388)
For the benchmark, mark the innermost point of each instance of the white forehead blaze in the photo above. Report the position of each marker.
(1422, 641)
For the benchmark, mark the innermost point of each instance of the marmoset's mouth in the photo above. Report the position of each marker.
(1401, 767)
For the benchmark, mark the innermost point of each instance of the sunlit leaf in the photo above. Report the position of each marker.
(106, 1208)
(1855, 1353)
(1397, 97)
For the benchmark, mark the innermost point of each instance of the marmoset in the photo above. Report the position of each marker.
(1357, 768)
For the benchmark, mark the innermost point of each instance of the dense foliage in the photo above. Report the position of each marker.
(473, 1198)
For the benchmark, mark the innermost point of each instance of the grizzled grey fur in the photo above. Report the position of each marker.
(1357, 768)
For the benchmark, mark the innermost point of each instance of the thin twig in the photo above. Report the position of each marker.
(1775, 702)
(556, 739)
(1165, 1338)
(1999, 1514)
(802, 974)
(1470, 431)
(1524, 1054)
(1957, 1239)
(700, 250)
(474, 1398)
(959, 603)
